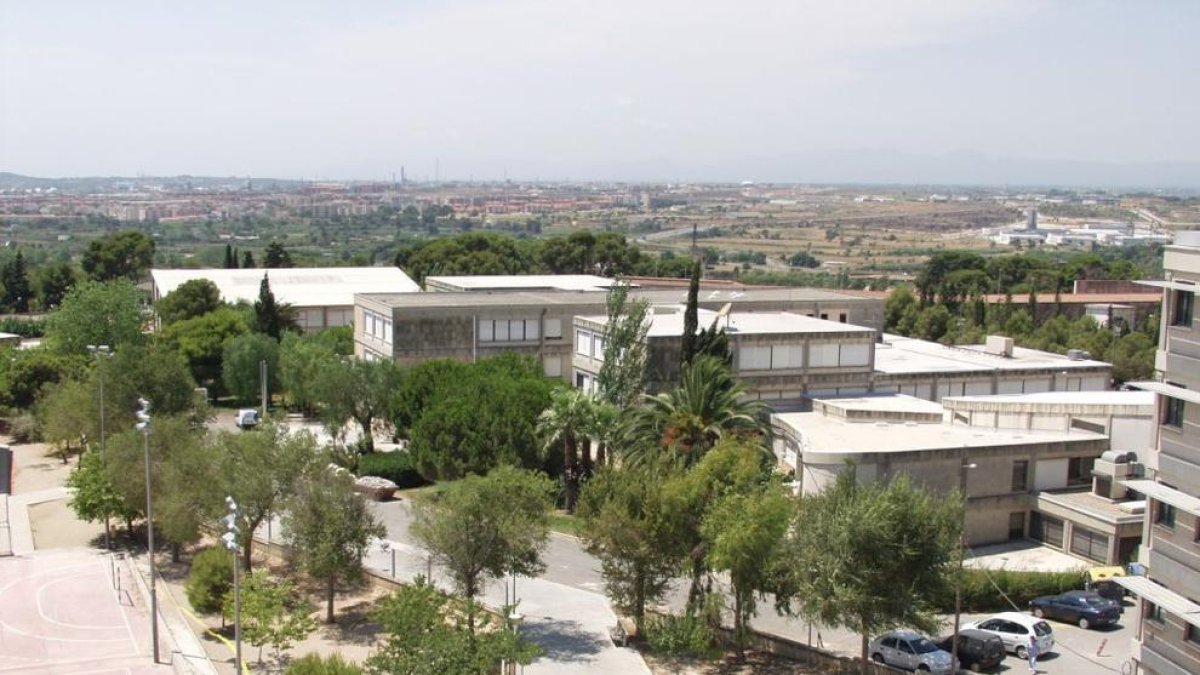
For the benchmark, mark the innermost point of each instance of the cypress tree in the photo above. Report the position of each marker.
(229, 263)
(16, 284)
(691, 318)
(267, 318)
(247, 260)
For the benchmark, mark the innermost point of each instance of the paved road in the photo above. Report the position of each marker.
(575, 585)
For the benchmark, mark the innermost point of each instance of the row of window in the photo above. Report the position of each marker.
(377, 326)
(783, 357)
(1154, 612)
(1165, 515)
(518, 330)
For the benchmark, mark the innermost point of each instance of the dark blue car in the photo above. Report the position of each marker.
(1085, 608)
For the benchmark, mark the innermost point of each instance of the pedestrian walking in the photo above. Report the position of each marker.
(1033, 654)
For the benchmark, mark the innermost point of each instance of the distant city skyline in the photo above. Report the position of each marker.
(933, 92)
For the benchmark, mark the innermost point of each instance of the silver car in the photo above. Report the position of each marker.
(1016, 630)
(911, 651)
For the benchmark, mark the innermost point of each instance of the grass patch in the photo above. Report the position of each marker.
(566, 524)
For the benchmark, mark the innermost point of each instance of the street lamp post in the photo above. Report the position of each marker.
(105, 351)
(143, 425)
(963, 466)
(231, 543)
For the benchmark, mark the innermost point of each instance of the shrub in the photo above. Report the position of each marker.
(210, 579)
(679, 635)
(985, 590)
(26, 328)
(397, 467)
(314, 664)
(25, 429)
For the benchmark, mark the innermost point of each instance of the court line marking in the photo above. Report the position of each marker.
(78, 626)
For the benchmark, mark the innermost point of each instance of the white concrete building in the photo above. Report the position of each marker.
(322, 296)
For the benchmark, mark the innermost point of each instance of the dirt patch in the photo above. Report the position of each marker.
(55, 525)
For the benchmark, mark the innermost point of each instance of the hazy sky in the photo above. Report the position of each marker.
(573, 89)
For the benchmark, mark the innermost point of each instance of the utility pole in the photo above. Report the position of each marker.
(231, 544)
(963, 466)
(105, 351)
(262, 378)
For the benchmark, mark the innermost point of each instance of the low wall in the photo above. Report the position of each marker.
(807, 654)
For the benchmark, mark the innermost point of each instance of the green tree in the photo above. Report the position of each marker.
(358, 390)
(1132, 357)
(274, 612)
(210, 579)
(155, 372)
(15, 279)
(277, 256)
(230, 262)
(691, 319)
(473, 539)
(622, 377)
(745, 537)
(872, 557)
(201, 341)
(96, 313)
(241, 370)
(422, 637)
(270, 317)
(894, 308)
(68, 415)
(329, 528)
(260, 470)
(686, 422)
(53, 282)
(561, 425)
(247, 260)
(628, 525)
(171, 440)
(94, 498)
(316, 664)
(24, 373)
(125, 254)
(193, 298)
(302, 360)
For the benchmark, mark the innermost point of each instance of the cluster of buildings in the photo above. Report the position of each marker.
(1091, 234)
(1038, 444)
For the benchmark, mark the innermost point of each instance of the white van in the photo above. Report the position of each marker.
(247, 418)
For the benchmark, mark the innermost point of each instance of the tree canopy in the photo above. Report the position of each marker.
(193, 298)
(124, 254)
(96, 313)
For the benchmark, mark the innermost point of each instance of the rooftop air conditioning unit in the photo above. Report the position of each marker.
(1078, 355)
(999, 345)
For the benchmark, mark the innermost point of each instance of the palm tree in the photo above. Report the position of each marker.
(602, 428)
(567, 418)
(686, 422)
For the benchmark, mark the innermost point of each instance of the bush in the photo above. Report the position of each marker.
(26, 328)
(397, 467)
(679, 635)
(980, 595)
(210, 579)
(25, 429)
(313, 664)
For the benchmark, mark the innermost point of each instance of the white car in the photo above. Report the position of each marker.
(247, 418)
(1015, 629)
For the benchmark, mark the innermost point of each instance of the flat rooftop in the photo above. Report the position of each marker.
(828, 434)
(550, 297)
(1086, 502)
(527, 282)
(1083, 398)
(296, 286)
(667, 321)
(901, 355)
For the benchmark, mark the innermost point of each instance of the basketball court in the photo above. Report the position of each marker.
(74, 612)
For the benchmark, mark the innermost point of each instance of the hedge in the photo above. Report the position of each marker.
(980, 595)
(395, 466)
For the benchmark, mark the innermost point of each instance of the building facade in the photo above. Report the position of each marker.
(1167, 641)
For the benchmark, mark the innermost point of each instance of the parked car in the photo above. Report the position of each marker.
(1086, 608)
(1015, 629)
(977, 650)
(911, 651)
(247, 418)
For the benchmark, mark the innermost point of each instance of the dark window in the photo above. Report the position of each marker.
(1046, 529)
(1191, 634)
(1173, 413)
(1020, 473)
(1016, 525)
(1196, 529)
(1089, 544)
(824, 316)
(1184, 300)
(1079, 470)
(842, 318)
(889, 642)
(905, 647)
(1154, 612)
(1164, 514)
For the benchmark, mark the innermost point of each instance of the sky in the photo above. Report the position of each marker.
(791, 90)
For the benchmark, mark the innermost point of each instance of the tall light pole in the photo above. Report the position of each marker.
(143, 425)
(105, 351)
(963, 466)
(231, 543)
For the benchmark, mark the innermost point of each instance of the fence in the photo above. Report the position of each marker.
(806, 654)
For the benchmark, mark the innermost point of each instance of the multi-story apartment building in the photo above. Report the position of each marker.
(1167, 641)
